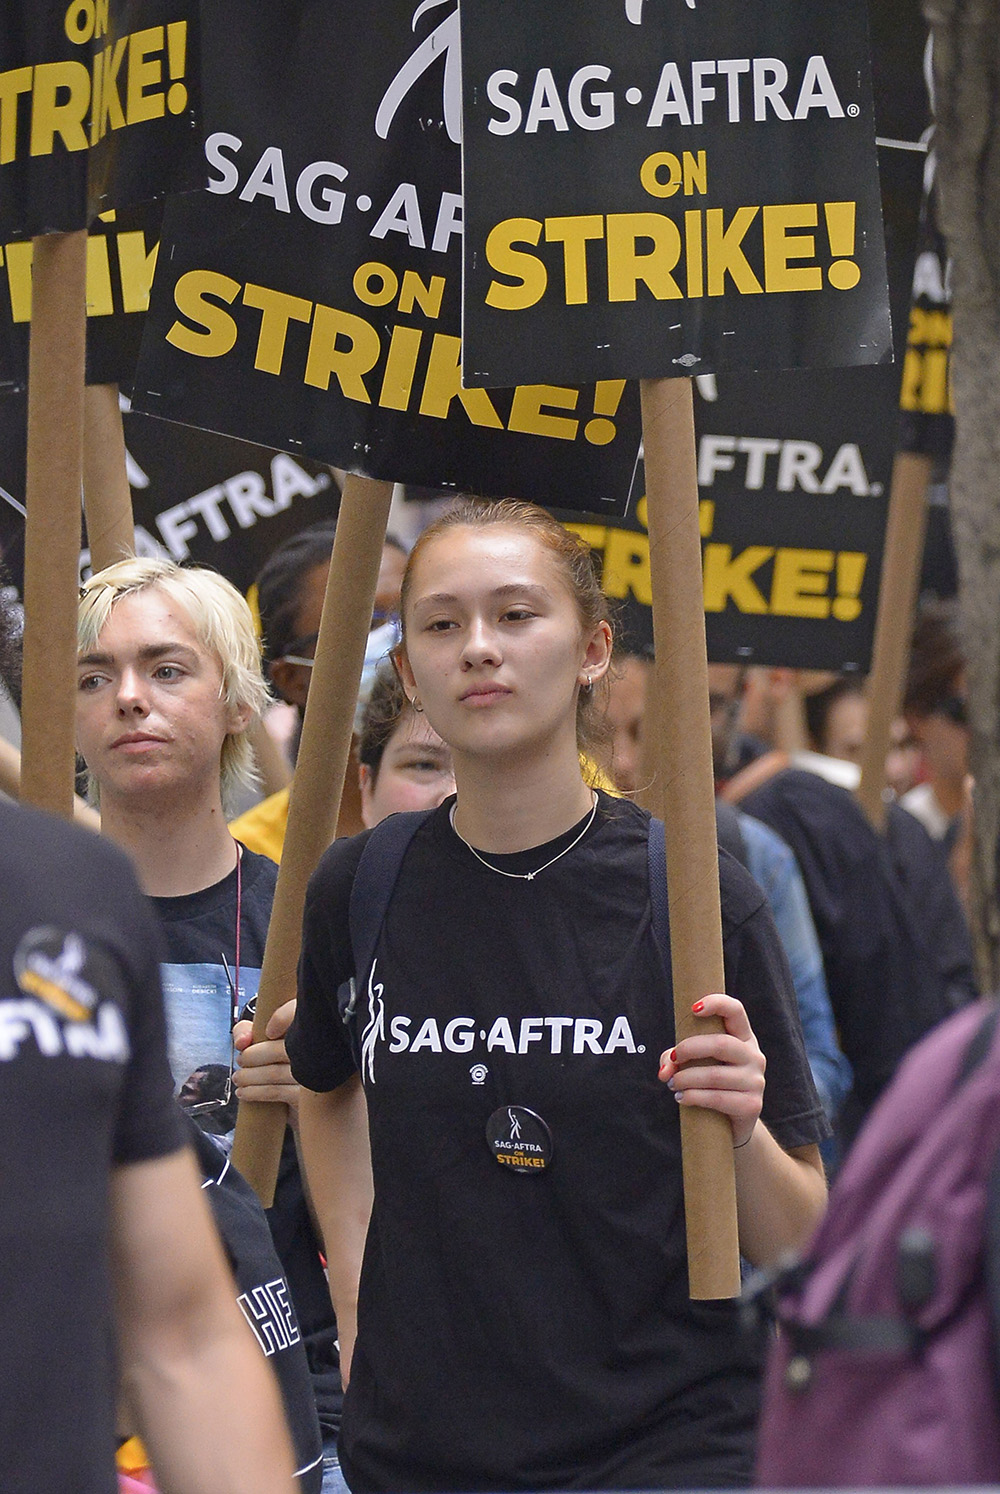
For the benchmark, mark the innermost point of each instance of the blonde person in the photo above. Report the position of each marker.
(169, 681)
(525, 1323)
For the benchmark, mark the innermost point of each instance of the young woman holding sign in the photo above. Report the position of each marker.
(524, 1319)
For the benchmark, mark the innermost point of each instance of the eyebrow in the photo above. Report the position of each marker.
(498, 593)
(147, 654)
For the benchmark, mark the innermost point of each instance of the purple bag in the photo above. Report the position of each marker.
(884, 1370)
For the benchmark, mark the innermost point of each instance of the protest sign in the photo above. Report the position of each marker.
(196, 496)
(655, 189)
(793, 474)
(122, 247)
(98, 103)
(311, 298)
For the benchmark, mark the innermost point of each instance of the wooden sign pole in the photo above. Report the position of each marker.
(52, 526)
(317, 786)
(897, 600)
(688, 799)
(107, 497)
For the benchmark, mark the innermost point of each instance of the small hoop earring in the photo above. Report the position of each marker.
(587, 685)
(415, 703)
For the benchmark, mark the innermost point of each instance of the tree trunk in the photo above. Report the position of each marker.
(966, 38)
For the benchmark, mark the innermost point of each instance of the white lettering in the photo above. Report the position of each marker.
(330, 208)
(556, 1025)
(602, 112)
(531, 1032)
(714, 455)
(586, 1034)
(230, 176)
(460, 1035)
(501, 1036)
(503, 101)
(620, 1036)
(847, 470)
(797, 466)
(401, 214)
(427, 1037)
(817, 91)
(399, 1030)
(267, 179)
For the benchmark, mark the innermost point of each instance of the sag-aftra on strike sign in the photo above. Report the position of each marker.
(668, 186)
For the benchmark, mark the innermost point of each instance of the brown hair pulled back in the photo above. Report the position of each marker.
(575, 560)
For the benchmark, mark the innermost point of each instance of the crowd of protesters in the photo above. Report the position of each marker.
(478, 1222)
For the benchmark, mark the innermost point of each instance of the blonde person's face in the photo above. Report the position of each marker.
(415, 772)
(150, 718)
(495, 651)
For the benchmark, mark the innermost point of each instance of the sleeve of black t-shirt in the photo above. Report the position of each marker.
(757, 974)
(317, 1043)
(148, 1124)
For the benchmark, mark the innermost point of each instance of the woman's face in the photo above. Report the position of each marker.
(415, 772)
(494, 649)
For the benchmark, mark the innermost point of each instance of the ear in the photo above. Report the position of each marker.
(291, 682)
(240, 717)
(405, 672)
(597, 654)
(365, 784)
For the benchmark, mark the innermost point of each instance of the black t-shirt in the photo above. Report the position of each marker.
(535, 1332)
(84, 1088)
(895, 949)
(198, 929)
(264, 1298)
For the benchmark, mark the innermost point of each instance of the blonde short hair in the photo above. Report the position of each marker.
(223, 624)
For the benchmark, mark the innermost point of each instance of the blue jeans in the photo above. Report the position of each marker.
(333, 1479)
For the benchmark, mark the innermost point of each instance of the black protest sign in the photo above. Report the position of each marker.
(659, 188)
(793, 475)
(196, 496)
(98, 103)
(928, 419)
(121, 255)
(311, 298)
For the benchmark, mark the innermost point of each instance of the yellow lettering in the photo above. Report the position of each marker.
(695, 173)
(626, 566)
(388, 284)
(651, 167)
(100, 300)
(112, 114)
(443, 384)
(593, 534)
(400, 366)
(49, 118)
(526, 270)
(725, 256)
(780, 246)
(527, 411)
(190, 293)
(347, 364)
(801, 579)
(415, 293)
(145, 73)
(626, 267)
(573, 234)
(728, 576)
(19, 258)
(695, 258)
(277, 309)
(79, 22)
(12, 84)
(135, 267)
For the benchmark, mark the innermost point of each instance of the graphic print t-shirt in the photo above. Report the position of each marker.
(84, 1087)
(520, 1332)
(198, 928)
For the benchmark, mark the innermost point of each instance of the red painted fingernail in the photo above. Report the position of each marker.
(697, 1006)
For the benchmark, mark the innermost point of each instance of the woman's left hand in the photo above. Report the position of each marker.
(719, 1070)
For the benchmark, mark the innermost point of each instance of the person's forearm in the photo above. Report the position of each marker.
(188, 1399)
(780, 1197)
(333, 1137)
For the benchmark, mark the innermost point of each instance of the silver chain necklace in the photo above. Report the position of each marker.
(526, 876)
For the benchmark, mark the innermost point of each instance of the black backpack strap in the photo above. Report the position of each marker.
(729, 832)
(371, 894)
(658, 895)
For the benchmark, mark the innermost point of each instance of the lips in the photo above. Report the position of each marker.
(135, 739)
(484, 694)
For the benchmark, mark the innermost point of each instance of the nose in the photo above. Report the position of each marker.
(480, 646)
(131, 696)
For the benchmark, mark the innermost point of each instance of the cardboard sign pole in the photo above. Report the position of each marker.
(316, 787)
(897, 599)
(687, 796)
(52, 526)
(107, 497)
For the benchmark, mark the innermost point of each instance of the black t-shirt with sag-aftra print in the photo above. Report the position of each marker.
(534, 1331)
